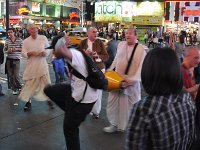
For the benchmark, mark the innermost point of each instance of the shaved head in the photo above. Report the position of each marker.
(92, 34)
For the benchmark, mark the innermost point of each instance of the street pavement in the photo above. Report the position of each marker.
(42, 127)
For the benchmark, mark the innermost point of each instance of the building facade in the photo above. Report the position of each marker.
(43, 13)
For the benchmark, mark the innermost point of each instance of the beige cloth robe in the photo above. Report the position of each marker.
(36, 73)
(120, 102)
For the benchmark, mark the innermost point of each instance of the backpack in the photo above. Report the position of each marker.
(96, 78)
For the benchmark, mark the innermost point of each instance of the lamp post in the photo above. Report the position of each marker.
(7, 14)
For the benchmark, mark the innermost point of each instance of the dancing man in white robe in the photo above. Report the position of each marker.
(36, 74)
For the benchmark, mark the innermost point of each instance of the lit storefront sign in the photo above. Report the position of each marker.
(58, 2)
(24, 10)
(74, 17)
(150, 8)
(114, 11)
(182, 11)
(35, 7)
(14, 21)
(145, 20)
(190, 11)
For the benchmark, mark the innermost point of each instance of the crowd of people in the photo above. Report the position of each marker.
(167, 118)
(167, 39)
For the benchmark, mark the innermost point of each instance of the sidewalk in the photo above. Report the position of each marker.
(42, 128)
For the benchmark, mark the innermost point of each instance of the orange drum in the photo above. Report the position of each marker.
(114, 80)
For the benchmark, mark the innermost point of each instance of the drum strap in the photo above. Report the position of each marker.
(130, 60)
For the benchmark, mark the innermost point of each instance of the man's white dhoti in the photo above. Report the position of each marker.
(34, 88)
(120, 105)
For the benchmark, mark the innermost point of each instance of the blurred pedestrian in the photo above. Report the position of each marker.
(36, 74)
(191, 60)
(59, 69)
(13, 47)
(1, 62)
(120, 102)
(145, 38)
(95, 48)
(165, 119)
(111, 50)
(179, 49)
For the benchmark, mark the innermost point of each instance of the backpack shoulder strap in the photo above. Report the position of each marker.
(75, 72)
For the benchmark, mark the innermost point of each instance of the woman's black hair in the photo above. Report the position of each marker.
(161, 72)
(11, 29)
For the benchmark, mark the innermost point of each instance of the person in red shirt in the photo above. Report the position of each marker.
(191, 60)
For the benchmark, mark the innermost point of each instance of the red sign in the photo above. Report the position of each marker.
(180, 0)
(14, 21)
(189, 12)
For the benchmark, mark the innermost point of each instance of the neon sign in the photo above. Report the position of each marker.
(190, 12)
(114, 11)
(114, 8)
(24, 10)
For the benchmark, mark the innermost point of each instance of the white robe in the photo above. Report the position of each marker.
(120, 102)
(36, 73)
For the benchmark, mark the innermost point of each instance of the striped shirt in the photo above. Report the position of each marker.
(16, 44)
(162, 123)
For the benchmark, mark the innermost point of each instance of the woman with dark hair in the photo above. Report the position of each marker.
(165, 119)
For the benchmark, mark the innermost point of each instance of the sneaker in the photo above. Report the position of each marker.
(110, 129)
(50, 104)
(95, 116)
(27, 107)
(15, 92)
(15, 104)
(120, 130)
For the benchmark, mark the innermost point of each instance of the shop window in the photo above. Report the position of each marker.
(196, 19)
(167, 10)
(2, 7)
(50, 10)
(197, 4)
(37, 8)
(176, 16)
(186, 18)
(13, 9)
(187, 3)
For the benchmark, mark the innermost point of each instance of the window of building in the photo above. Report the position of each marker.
(50, 10)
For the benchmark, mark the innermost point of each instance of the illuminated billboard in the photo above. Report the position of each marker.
(150, 9)
(144, 20)
(114, 11)
(35, 7)
(182, 11)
